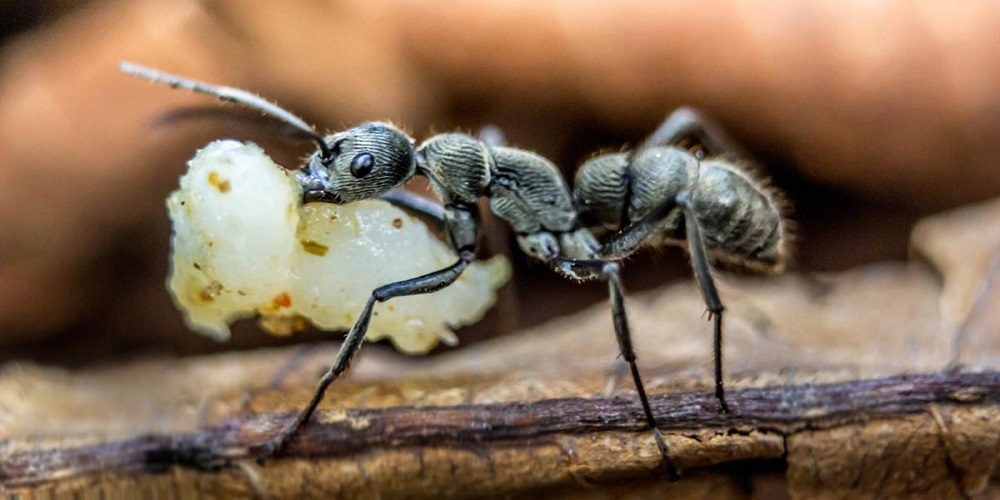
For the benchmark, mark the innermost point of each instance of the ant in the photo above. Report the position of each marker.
(660, 193)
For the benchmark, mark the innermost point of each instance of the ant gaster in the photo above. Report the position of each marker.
(658, 194)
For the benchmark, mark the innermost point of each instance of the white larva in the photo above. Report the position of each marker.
(243, 245)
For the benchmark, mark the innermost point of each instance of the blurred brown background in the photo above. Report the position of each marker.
(868, 114)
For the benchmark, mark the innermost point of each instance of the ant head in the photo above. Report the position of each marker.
(359, 163)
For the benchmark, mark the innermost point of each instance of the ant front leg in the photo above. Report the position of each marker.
(427, 283)
(423, 207)
(592, 269)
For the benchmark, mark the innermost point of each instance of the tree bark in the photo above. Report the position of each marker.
(881, 381)
(943, 425)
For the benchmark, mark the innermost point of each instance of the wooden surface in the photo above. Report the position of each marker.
(831, 437)
(857, 383)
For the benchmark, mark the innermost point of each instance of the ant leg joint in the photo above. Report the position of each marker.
(610, 268)
(684, 199)
(467, 255)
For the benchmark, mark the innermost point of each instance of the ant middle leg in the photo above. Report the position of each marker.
(427, 283)
(631, 238)
(593, 269)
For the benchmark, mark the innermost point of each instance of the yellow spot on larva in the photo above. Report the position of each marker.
(313, 247)
(397, 223)
(221, 184)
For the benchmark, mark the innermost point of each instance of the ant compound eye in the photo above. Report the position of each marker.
(362, 165)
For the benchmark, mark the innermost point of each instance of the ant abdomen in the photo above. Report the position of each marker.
(741, 221)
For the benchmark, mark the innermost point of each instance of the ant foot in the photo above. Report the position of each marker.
(274, 445)
(672, 473)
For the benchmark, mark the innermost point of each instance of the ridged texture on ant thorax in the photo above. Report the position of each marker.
(528, 191)
(658, 175)
(460, 163)
(599, 190)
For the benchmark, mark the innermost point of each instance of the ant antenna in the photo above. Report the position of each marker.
(229, 94)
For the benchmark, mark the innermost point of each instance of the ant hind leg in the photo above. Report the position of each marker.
(631, 238)
(709, 293)
(687, 123)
